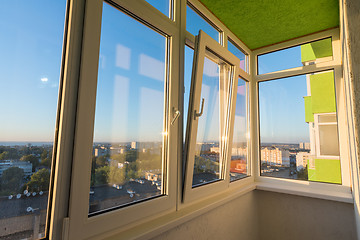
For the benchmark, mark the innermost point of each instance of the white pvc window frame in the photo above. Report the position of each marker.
(330, 191)
(79, 52)
(80, 225)
(204, 43)
(318, 124)
(245, 75)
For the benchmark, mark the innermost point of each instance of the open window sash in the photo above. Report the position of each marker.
(210, 119)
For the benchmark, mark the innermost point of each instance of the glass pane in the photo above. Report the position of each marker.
(239, 152)
(239, 54)
(161, 5)
(208, 159)
(327, 118)
(329, 144)
(129, 119)
(295, 56)
(189, 55)
(290, 138)
(31, 49)
(194, 23)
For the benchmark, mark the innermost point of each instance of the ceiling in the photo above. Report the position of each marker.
(259, 23)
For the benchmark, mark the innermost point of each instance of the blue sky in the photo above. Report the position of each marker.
(130, 94)
(282, 111)
(31, 45)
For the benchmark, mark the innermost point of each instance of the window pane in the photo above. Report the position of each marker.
(291, 136)
(239, 54)
(189, 55)
(327, 118)
(194, 23)
(329, 144)
(295, 56)
(161, 5)
(239, 152)
(31, 48)
(208, 162)
(129, 120)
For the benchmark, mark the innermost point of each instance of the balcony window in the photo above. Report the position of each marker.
(30, 60)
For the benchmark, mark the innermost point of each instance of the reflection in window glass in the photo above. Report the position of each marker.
(239, 54)
(161, 5)
(194, 23)
(209, 148)
(295, 56)
(129, 119)
(189, 55)
(294, 143)
(30, 60)
(239, 151)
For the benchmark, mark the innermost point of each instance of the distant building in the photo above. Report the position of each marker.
(301, 160)
(6, 164)
(238, 166)
(153, 176)
(100, 151)
(215, 149)
(117, 150)
(241, 152)
(305, 145)
(134, 145)
(275, 157)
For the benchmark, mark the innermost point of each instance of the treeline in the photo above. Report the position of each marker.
(13, 180)
(203, 165)
(120, 168)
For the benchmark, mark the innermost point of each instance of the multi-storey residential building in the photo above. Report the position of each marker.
(302, 159)
(275, 156)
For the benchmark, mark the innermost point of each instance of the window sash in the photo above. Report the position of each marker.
(202, 43)
(81, 226)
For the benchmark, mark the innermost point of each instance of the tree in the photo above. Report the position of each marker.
(39, 181)
(117, 175)
(4, 155)
(101, 161)
(44, 154)
(303, 174)
(31, 158)
(46, 162)
(102, 175)
(12, 179)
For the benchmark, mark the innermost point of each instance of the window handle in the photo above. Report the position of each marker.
(176, 115)
(196, 115)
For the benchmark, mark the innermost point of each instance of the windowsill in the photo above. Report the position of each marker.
(160, 224)
(325, 191)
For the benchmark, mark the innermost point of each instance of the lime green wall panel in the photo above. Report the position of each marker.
(315, 50)
(326, 170)
(309, 116)
(323, 92)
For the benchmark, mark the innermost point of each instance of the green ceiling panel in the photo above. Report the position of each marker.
(260, 23)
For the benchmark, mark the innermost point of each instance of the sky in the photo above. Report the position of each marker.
(30, 47)
(131, 78)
